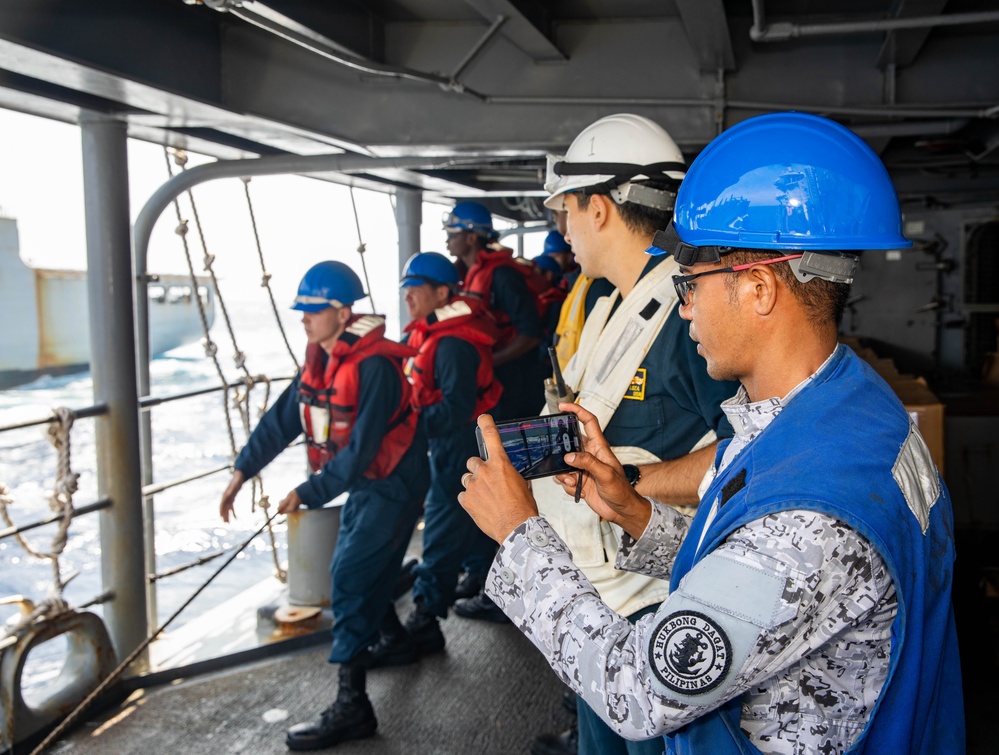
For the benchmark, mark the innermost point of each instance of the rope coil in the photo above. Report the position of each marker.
(60, 503)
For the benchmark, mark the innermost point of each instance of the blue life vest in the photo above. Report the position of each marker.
(832, 450)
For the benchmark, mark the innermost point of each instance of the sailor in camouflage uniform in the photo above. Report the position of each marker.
(810, 606)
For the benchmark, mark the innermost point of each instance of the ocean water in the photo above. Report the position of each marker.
(188, 436)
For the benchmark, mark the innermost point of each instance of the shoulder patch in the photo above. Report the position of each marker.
(689, 653)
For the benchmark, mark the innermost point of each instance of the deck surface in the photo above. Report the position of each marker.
(489, 692)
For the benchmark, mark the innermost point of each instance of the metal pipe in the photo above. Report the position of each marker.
(781, 32)
(90, 411)
(941, 111)
(490, 32)
(918, 128)
(100, 503)
(184, 567)
(149, 402)
(408, 220)
(150, 490)
(113, 368)
(312, 42)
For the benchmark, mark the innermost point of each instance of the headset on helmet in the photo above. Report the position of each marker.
(469, 216)
(786, 181)
(612, 153)
(328, 284)
(555, 243)
(429, 267)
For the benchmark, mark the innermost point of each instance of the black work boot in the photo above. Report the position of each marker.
(566, 743)
(350, 717)
(480, 607)
(424, 630)
(468, 586)
(394, 646)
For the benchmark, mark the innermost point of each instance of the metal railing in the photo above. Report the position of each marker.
(145, 404)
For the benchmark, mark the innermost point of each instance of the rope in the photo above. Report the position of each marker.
(361, 249)
(265, 281)
(241, 399)
(113, 676)
(60, 503)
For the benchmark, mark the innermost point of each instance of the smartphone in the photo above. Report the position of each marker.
(537, 446)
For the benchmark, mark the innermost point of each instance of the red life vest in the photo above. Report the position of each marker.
(479, 283)
(468, 320)
(327, 398)
(553, 294)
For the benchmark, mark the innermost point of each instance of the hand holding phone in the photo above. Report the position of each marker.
(536, 446)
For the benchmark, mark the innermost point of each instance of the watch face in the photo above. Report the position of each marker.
(632, 472)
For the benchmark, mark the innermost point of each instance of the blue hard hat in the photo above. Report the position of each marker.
(786, 181)
(429, 267)
(555, 242)
(469, 216)
(550, 264)
(328, 284)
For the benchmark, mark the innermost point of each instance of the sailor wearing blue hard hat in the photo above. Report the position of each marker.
(353, 403)
(491, 274)
(453, 383)
(811, 592)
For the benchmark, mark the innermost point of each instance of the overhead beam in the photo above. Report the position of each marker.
(901, 47)
(527, 27)
(707, 30)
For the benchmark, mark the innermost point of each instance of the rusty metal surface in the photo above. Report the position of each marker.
(89, 659)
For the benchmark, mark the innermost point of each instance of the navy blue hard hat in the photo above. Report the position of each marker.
(429, 267)
(785, 181)
(328, 284)
(555, 242)
(469, 216)
(549, 264)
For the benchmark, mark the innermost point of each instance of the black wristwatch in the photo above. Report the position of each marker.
(633, 473)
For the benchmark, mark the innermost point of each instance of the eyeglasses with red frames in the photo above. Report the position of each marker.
(682, 282)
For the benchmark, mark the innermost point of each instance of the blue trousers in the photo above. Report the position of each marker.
(448, 531)
(375, 530)
(597, 738)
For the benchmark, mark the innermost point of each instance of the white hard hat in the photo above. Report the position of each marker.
(609, 154)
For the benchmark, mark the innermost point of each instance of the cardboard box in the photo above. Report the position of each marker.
(923, 406)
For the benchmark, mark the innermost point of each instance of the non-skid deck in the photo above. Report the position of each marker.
(489, 692)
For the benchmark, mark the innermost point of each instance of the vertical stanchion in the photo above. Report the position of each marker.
(113, 367)
(408, 219)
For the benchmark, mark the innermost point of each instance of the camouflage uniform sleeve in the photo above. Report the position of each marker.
(813, 589)
(653, 553)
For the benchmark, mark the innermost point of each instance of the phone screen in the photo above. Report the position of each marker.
(537, 446)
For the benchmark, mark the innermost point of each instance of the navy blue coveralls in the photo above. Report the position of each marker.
(376, 522)
(522, 380)
(449, 530)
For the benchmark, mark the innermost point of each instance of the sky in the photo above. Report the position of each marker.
(301, 220)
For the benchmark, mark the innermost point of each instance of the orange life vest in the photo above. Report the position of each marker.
(479, 284)
(468, 320)
(327, 398)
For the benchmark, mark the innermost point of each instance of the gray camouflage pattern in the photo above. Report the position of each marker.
(809, 686)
